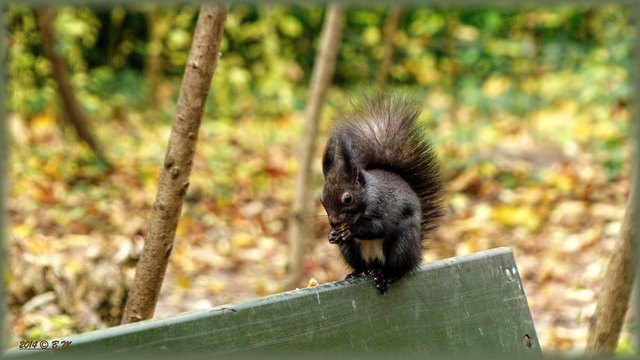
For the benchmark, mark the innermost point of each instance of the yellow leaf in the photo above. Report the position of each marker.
(37, 246)
(371, 35)
(559, 180)
(243, 240)
(511, 215)
(216, 287)
(223, 246)
(73, 267)
(43, 123)
(466, 33)
(183, 282)
(45, 118)
(52, 170)
(21, 231)
(607, 130)
(487, 169)
(467, 246)
(582, 129)
(495, 86)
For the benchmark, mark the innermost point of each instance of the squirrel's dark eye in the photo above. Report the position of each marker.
(347, 198)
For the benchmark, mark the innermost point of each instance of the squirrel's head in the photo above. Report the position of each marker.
(343, 191)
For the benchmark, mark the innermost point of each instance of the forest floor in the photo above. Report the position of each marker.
(552, 186)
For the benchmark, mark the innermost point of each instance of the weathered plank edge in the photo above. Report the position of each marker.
(127, 329)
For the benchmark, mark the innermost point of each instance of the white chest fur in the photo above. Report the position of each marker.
(371, 249)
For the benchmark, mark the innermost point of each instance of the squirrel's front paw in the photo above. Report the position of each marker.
(339, 235)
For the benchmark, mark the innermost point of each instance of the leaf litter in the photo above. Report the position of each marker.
(76, 231)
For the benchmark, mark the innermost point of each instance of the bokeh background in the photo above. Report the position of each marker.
(528, 108)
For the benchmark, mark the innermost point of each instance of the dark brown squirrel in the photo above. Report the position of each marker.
(382, 190)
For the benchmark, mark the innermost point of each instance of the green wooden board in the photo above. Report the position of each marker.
(468, 304)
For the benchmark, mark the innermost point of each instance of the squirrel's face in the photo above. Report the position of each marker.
(342, 195)
(342, 199)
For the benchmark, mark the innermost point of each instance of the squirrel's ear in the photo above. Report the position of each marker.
(329, 156)
(359, 177)
(350, 165)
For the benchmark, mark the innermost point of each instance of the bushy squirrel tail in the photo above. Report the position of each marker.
(382, 133)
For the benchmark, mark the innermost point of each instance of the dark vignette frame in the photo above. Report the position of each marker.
(4, 148)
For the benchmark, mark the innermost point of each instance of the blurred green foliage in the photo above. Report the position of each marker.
(487, 58)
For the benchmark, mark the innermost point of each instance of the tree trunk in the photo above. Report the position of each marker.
(272, 53)
(158, 26)
(74, 115)
(323, 68)
(174, 177)
(453, 66)
(4, 193)
(390, 29)
(114, 34)
(613, 301)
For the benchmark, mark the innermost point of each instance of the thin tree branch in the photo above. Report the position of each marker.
(174, 177)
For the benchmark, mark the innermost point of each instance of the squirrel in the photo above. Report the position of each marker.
(382, 190)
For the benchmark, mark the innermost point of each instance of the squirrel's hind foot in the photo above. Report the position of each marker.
(383, 282)
(355, 274)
